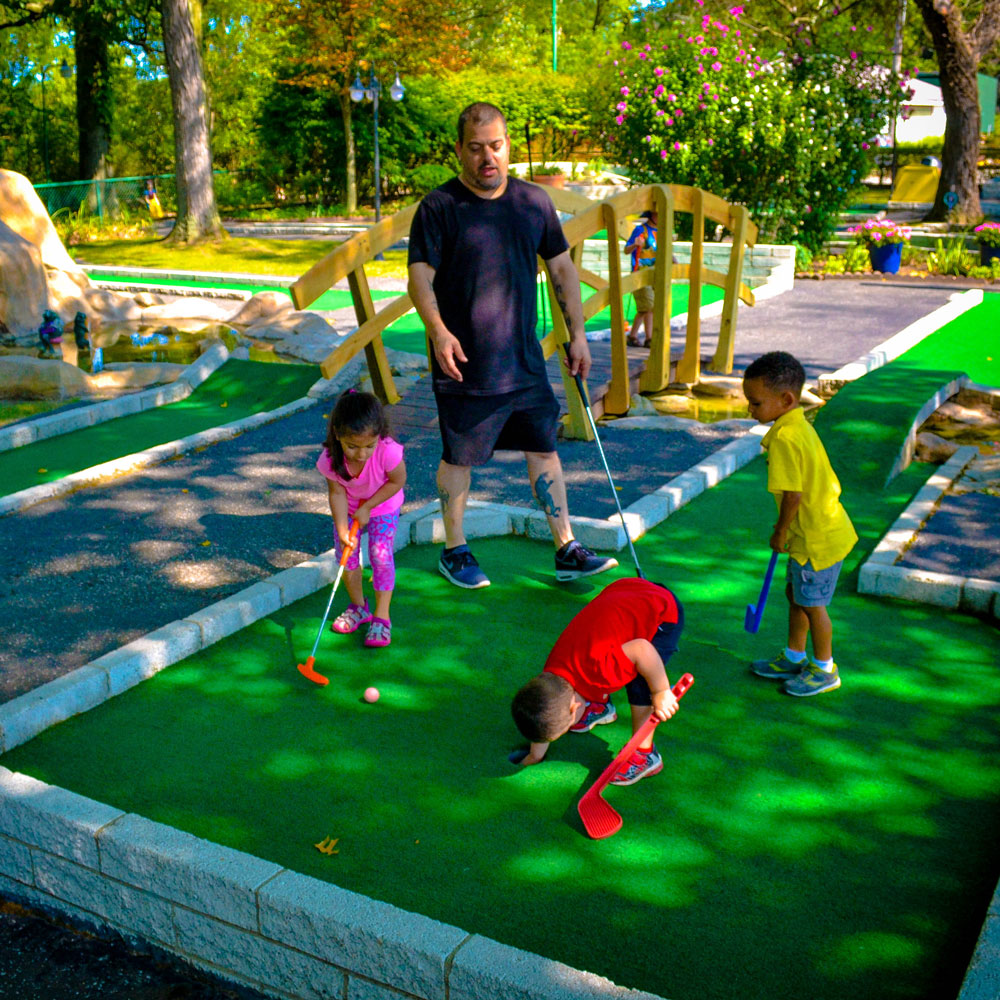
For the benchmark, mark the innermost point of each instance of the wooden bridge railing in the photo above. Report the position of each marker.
(587, 219)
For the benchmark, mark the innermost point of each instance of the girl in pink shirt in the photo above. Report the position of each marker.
(365, 475)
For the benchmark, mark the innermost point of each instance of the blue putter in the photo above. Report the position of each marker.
(754, 613)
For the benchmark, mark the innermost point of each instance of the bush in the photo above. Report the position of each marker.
(429, 176)
(803, 257)
(790, 139)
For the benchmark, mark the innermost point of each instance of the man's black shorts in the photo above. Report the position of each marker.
(473, 427)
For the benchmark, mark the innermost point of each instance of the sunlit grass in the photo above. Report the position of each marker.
(283, 258)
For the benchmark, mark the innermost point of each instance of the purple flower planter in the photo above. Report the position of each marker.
(886, 257)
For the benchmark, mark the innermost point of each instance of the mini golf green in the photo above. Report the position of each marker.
(836, 847)
(236, 390)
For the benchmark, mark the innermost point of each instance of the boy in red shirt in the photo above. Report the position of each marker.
(622, 638)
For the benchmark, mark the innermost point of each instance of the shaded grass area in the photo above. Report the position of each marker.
(236, 390)
(838, 847)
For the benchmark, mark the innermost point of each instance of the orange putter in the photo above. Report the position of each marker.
(306, 669)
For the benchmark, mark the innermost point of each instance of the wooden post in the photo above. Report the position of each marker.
(689, 366)
(617, 399)
(723, 358)
(656, 375)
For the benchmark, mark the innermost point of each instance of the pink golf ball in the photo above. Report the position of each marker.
(371, 695)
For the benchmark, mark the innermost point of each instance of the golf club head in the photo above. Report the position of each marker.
(599, 819)
(306, 669)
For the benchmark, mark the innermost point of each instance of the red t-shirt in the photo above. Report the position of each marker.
(589, 652)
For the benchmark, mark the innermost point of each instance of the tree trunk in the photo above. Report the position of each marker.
(959, 52)
(351, 193)
(94, 95)
(197, 215)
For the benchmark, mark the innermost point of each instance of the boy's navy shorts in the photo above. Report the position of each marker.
(473, 427)
(812, 588)
(665, 642)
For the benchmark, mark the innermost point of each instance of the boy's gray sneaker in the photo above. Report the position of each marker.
(778, 668)
(574, 561)
(812, 680)
(459, 565)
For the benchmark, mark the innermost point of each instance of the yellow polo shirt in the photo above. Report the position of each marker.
(821, 532)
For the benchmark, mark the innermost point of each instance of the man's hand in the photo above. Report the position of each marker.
(779, 540)
(579, 360)
(448, 351)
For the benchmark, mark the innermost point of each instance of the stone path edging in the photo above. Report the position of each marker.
(881, 576)
(901, 342)
(161, 453)
(30, 431)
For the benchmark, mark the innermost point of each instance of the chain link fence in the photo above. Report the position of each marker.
(112, 198)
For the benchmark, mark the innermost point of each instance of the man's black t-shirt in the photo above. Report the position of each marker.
(484, 254)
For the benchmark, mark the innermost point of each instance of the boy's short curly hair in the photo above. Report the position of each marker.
(779, 371)
(539, 707)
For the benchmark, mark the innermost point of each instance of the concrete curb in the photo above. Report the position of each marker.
(879, 575)
(901, 342)
(161, 453)
(193, 375)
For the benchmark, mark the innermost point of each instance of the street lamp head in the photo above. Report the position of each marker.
(65, 70)
(357, 90)
(397, 90)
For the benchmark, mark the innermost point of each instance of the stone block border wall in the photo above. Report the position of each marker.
(29, 431)
(171, 449)
(881, 576)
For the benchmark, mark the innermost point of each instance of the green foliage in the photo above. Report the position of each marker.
(790, 138)
(991, 273)
(429, 176)
(856, 259)
(950, 258)
(803, 257)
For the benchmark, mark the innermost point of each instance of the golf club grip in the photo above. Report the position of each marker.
(352, 541)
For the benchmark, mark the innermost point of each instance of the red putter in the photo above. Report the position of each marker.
(600, 819)
(306, 669)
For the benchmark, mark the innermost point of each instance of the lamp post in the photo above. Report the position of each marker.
(359, 93)
(65, 72)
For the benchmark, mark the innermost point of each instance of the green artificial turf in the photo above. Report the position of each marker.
(236, 390)
(834, 848)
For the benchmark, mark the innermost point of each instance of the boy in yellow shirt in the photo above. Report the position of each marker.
(812, 526)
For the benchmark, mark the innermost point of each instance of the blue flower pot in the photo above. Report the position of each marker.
(886, 257)
(986, 254)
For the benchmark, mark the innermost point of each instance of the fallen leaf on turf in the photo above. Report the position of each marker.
(225, 404)
(326, 845)
(42, 472)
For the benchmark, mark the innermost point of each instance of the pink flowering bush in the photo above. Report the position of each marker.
(880, 232)
(788, 137)
(988, 234)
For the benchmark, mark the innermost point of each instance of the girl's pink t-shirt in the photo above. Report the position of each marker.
(386, 456)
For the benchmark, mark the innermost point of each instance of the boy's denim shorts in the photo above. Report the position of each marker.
(665, 641)
(812, 588)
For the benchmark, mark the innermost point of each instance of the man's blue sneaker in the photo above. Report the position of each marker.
(574, 561)
(778, 668)
(640, 765)
(597, 713)
(459, 565)
(812, 680)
